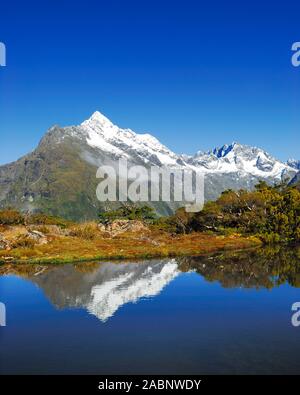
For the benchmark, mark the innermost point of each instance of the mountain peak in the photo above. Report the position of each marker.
(98, 118)
(225, 149)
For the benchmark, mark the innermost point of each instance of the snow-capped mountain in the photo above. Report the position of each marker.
(99, 133)
(243, 159)
(60, 175)
(102, 134)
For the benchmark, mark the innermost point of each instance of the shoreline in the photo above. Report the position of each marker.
(75, 250)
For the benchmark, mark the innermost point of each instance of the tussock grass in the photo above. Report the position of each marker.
(23, 241)
(11, 217)
(86, 231)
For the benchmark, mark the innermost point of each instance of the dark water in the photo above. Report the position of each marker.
(224, 314)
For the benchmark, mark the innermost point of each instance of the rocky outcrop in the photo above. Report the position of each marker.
(16, 237)
(37, 237)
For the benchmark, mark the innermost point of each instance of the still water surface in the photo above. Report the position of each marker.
(223, 314)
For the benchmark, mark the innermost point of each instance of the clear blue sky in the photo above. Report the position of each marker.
(196, 74)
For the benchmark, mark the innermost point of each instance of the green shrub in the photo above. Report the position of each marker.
(228, 231)
(271, 212)
(44, 219)
(131, 212)
(270, 238)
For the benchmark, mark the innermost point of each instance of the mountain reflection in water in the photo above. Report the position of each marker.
(103, 288)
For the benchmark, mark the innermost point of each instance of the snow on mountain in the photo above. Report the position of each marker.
(295, 164)
(242, 159)
(102, 134)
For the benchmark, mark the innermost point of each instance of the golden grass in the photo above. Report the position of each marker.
(23, 241)
(12, 232)
(81, 245)
(86, 231)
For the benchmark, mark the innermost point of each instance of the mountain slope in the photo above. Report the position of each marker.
(59, 176)
(296, 180)
(295, 164)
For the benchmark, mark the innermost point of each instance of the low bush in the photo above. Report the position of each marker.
(270, 238)
(130, 212)
(44, 219)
